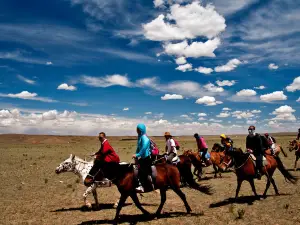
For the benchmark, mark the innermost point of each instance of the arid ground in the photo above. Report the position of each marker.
(31, 192)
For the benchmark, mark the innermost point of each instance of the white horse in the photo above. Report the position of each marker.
(82, 168)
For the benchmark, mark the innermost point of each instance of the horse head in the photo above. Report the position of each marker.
(66, 166)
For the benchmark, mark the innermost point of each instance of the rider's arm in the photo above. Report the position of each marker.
(173, 145)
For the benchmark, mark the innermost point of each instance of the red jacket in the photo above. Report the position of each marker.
(106, 153)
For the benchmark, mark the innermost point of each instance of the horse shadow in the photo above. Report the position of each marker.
(241, 200)
(293, 170)
(134, 219)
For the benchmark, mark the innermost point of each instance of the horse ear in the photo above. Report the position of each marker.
(73, 157)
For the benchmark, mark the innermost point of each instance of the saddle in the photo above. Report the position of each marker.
(175, 160)
(253, 158)
(151, 179)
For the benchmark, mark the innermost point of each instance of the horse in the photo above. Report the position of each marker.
(217, 155)
(245, 170)
(278, 149)
(295, 146)
(167, 176)
(81, 168)
(197, 162)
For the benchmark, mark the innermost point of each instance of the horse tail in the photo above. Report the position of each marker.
(186, 173)
(285, 155)
(285, 173)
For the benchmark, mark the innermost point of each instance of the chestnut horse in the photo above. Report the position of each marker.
(245, 170)
(167, 177)
(295, 146)
(217, 155)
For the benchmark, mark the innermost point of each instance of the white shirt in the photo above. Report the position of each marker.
(171, 147)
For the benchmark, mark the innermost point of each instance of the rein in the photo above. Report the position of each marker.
(243, 163)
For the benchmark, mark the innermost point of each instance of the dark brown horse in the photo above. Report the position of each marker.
(245, 170)
(295, 146)
(167, 177)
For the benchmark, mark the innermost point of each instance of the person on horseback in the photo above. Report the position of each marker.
(143, 156)
(105, 155)
(254, 143)
(202, 148)
(171, 149)
(271, 142)
(298, 136)
(226, 142)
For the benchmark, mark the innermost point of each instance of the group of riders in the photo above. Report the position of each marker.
(255, 143)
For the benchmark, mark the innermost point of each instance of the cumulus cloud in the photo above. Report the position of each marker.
(204, 70)
(256, 111)
(272, 66)
(125, 109)
(193, 50)
(298, 100)
(275, 96)
(148, 113)
(242, 114)
(26, 80)
(185, 67)
(225, 83)
(260, 87)
(223, 115)
(27, 96)
(208, 101)
(284, 113)
(202, 114)
(171, 97)
(246, 93)
(66, 87)
(49, 63)
(295, 86)
(226, 109)
(231, 65)
(180, 61)
(158, 3)
(212, 88)
(106, 81)
(185, 22)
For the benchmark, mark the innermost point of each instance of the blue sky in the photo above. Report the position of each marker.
(81, 66)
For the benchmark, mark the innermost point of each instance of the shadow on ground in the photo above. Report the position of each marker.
(134, 219)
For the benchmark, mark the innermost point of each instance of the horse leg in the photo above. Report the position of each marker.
(116, 204)
(295, 166)
(274, 185)
(267, 187)
(85, 194)
(216, 170)
(183, 198)
(120, 205)
(136, 201)
(95, 196)
(251, 181)
(239, 184)
(163, 197)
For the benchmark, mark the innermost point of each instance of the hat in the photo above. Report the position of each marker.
(251, 128)
(266, 134)
(223, 136)
(167, 134)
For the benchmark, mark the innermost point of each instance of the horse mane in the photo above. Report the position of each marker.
(78, 159)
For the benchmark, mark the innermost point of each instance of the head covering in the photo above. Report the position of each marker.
(167, 134)
(266, 134)
(142, 128)
(251, 127)
(196, 135)
(223, 136)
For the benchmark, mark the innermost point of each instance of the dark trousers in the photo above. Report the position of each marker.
(259, 161)
(144, 169)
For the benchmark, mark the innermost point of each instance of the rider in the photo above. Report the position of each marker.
(170, 147)
(226, 142)
(106, 154)
(143, 156)
(202, 147)
(298, 136)
(271, 142)
(254, 142)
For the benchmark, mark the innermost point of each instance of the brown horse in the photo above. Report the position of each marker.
(167, 177)
(278, 149)
(217, 155)
(245, 170)
(295, 146)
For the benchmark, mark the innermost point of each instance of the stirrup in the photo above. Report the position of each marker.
(140, 189)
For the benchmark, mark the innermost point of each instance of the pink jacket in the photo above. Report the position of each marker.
(201, 143)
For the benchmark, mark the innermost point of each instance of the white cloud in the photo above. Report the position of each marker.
(202, 114)
(49, 63)
(194, 50)
(50, 115)
(208, 101)
(231, 65)
(202, 118)
(242, 114)
(181, 60)
(225, 83)
(251, 122)
(171, 97)
(158, 3)
(148, 113)
(107, 81)
(298, 100)
(204, 70)
(223, 115)
(260, 87)
(256, 111)
(212, 88)
(185, 22)
(272, 66)
(185, 67)
(246, 93)
(284, 113)
(226, 109)
(215, 121)
(26, 80)
(186, 117)
(125, 109)
(66, 87)
(275, 96)
(294, 86)
(28, 96)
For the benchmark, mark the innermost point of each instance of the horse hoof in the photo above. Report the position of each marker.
(264, 196)
(89, 205)
(277, 194)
